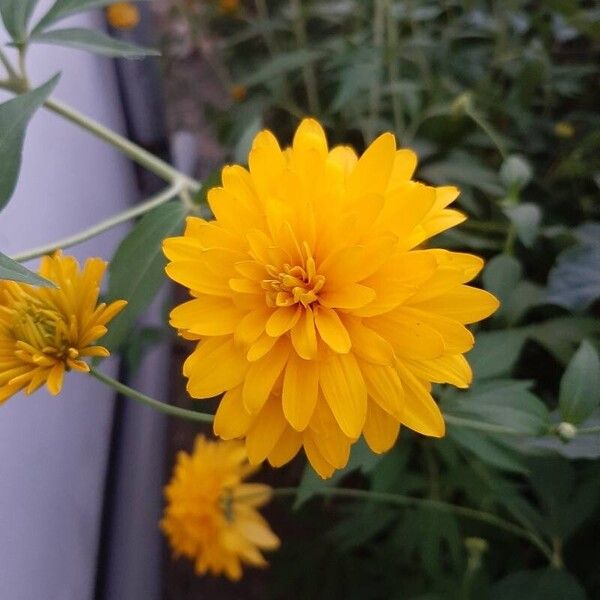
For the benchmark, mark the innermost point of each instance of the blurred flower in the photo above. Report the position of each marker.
(47, 331)
(123, 15)
(229, 6)
(317, 316)
(211, 515)
(564, 129)
(238, 92)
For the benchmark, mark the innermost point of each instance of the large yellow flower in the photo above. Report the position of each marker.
(45, 332)
(314, 312)
(211, 514)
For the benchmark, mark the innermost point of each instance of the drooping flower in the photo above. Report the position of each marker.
(45, 332)
(211, 515)
(316, 312)
(123, 15)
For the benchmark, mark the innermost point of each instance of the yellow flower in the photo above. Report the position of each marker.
(211, 515)
(238, 92)
(47, 331)
(564, 129)
(229, 6)
(123, 15)
(315, 313)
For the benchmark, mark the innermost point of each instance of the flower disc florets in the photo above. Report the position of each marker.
(314, 312)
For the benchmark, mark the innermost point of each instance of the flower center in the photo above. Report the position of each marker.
(293, 284)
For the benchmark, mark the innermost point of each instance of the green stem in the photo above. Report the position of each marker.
(10, 71)
(589, 430)
(378, 34)
(308, 70)
(128, 148)
(428, 504)
(393, 59)
(487, 129)
(511, 236)
(173, 411)
(94, 230)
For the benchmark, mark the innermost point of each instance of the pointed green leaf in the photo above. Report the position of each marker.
(14, 271)
(92, 40)
(63, 8)
(580, 385)
(14, 117)
(136, 272)
(15, 15)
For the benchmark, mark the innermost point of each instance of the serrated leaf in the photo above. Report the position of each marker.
(504, 402)
(283, 63)
(136, 272)
(526, 219)
(14, 271)
(92, 40)
(580, 385)
(63, 8)
(16, 15)
(14, 117)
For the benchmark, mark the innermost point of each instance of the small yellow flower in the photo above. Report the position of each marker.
(564, 129)
(123, 15)
(238, 92)
(45, 332)
(211, 515)
(229, 6)
(316, 312)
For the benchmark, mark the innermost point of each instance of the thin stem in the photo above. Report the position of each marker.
(12, 74)
(128, 148)
(173, 411)
(428, 504)
(589, 430)
(308, 70)
(378, 34)
(488, 130)
(485, 226)
(511, 236)
(393, 60)
(102, 226)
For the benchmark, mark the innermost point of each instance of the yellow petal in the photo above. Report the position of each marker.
(304, 336)
(315, 458)
(384, 387)
(451, 368)
(266, 431)
(256, 530)
(251, 326)
(405, 163)
(262, 375)
(344, 389)
(286, 448)
(332, 330)
(352, 295)
(300, 390)
(55, 378)
(327, 436)
(259, 348)
(231, 419)
(283, 319)
(367, 344)
(381, 430)
(207, 316)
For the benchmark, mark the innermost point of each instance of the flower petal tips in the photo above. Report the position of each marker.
(316, 309)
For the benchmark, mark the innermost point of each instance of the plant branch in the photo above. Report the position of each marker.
(393, 60)
(375, 95)
(10, 71)
(90, 232)
(428, 504)
(167, 409)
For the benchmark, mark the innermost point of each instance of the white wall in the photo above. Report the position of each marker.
(53, 451)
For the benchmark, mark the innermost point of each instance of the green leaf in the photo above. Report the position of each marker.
(243, 145)
(136, 272)
(580, 385)
(544, 584)
(14, 271)
(14, 117)
(283, 63)
(92, 40)
(501, 276)
(63, 8)
(526, 219)
(496, 352)
(504, 402)
(15, 15)
(515, 172)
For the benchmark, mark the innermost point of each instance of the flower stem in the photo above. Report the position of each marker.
(393, 61)
(375, 96)
(94, 230)
(10, 71)
(589, 430)
(429, 504)
(172, 411)
(128, 148)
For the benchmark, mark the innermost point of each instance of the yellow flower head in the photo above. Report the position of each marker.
(47, 331)
(315, 313)
(564, 129)
(211, 515)
(123, 15)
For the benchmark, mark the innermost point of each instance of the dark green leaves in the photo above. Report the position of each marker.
(282, 63)
(580, 385)
(544, 584)
(13, 271)
(14, 117)
(15, 15)
(136, 272)
(93, 41)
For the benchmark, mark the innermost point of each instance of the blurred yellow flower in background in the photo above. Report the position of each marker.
(45, 332)
(315, 313)
(123, 15)
(564, 129)
(238, 92)
(229, 6)
(211, 515)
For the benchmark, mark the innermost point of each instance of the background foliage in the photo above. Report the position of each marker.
(501, 99)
